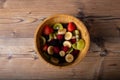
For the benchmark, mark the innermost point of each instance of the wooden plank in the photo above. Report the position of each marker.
(27, 68)
(53, 8)
(24, 45)
(20, 19)
(112, 44)
(111, 69)
(16, 45)
(27, 26)
(105, 29)
(97, 7)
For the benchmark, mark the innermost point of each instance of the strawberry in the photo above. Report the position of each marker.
(56, 49)
(60, 36)
(71, 26)
(45, 47)
(65, 48)
(47, 30)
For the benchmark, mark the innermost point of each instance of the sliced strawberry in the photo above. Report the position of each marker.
(45, 47)
(60, 36)
(56, 49)
(65, 48)
(47, 30)
(71, 26)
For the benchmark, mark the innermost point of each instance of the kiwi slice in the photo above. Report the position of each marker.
(51, 36)
(42, 40)
(57, 26)
(69, 51)
(74, 46)
(80, 44)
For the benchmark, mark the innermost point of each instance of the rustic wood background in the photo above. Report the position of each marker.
(19, 19)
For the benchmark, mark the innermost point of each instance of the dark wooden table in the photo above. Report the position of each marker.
(19, 19)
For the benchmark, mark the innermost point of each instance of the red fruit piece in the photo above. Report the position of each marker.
(47, 30)
(71, 26)
(65, 48)
(56, 49)
(75, 53)
(45, 47)
(60, 37)
(73, 40)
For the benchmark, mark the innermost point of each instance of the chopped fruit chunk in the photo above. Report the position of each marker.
(56, 49)
(62, 53)
(50, 50)
(65, 48)
(43, 40)
(69, 58)
(47, 30)
(45, 47)
(74, 46)
(70, 50)
(68, 35)
(71, 26)
(73, 40)
(57, 26)
(60, 36)
(54, 60)
(50, 37)
(67, 43)
(76, 32)
(75, 53)
(62, 31)
(80, 44)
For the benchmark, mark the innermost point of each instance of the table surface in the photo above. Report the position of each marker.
(19, 20)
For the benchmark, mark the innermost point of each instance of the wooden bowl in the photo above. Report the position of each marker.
(62, 18)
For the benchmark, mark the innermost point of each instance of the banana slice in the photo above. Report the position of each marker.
(62, 31)
(67, 43)
(54, 60)
(69, 58)
(68, 35)
(62, 53)
(76, 32)
(50, 50)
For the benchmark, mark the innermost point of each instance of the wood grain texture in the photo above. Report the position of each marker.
(24, 68)
(19, 20)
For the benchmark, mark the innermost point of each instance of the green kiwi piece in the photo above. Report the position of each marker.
(57, 26)
(74, 46)
(80, 44)
(42, 40)
(51, 36)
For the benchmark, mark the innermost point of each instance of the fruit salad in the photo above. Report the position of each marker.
(61, 43)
